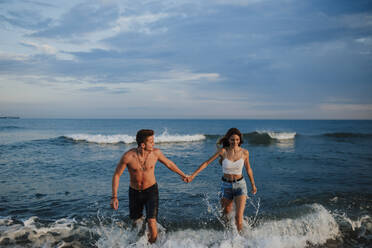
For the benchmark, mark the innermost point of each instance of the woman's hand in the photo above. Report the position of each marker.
(114, 203)
(184, 178)
(189, 179)
(254, 189)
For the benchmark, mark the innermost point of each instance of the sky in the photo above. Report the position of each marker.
(223, 59)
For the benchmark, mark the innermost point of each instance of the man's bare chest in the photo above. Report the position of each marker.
(142, 166)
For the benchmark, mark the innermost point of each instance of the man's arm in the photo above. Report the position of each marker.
(169, 163)
(115, 181)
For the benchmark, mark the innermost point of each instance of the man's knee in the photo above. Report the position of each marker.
(151, 221)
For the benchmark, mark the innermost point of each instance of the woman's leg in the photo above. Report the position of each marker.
(227, 205)
(240, 206)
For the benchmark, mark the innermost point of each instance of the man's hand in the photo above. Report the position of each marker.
(184, 178)
(114, 203)
(189, 179)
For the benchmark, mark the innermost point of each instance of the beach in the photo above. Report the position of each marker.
(313, 178)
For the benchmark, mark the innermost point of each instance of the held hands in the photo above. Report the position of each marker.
(184, 178)
(188, 179)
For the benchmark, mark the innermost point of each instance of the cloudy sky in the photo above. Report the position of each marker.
(276, 59)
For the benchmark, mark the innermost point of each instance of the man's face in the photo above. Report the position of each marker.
(149, 143)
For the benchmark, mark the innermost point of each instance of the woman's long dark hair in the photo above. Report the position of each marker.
(224, 141)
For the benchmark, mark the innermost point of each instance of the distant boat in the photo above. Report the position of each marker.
(9, 117)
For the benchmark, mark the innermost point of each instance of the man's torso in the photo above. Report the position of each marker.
(142, 170)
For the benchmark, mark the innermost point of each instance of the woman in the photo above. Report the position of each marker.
(233, 184)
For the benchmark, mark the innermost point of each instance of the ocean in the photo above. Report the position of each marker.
(314, 181)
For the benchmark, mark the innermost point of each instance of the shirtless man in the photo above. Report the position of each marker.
(143, 190)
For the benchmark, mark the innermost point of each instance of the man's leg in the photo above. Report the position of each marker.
(153, 230)
(136, 206)
(139, 225)
(152, 206)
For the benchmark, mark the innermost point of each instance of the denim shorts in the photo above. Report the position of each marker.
(231, 190)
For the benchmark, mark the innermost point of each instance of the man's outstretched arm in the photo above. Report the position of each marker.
(169, 163)
(115, 181)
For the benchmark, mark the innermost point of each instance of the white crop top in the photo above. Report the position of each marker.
(232, 167)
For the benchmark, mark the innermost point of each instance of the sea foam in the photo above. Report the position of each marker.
(279, 135)
(36, 234)
(313, 227)
(128, 139)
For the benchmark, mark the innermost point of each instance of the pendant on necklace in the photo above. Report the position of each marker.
(142, 164)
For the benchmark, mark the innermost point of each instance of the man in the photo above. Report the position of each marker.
(143, 190)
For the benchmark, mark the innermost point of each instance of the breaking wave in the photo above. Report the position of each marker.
(279, 135)
(128, 139)
(255, 138)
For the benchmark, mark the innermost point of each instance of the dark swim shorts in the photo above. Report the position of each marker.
(148, 198)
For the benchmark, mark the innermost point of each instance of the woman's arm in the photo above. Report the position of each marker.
(249, 171)
(204, 165)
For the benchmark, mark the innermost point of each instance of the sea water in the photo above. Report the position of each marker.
(314, 181)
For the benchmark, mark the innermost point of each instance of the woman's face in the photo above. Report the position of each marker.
(234, 140)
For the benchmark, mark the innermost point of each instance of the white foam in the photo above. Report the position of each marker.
(5, 221)
(165, 138)
(361, 223)
(315, 227)
(127, 139)
(279, 135)
(41, 235)
(103, 139)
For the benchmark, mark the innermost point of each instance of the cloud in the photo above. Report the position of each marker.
(39, 3)
(365, 40)
(186, 75)
(82, 18)
(239, 2)
(26, 19)
(347, 107)
(140, 23)
(260, 56)
(12, 57)
(43, 48)
(105, 90)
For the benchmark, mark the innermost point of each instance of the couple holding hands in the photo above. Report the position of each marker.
(143, 189)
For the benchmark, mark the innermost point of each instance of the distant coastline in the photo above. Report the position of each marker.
(9, 117)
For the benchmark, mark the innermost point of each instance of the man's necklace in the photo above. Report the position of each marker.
(142, 163)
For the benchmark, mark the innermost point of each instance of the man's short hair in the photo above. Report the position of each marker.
(143, 134)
